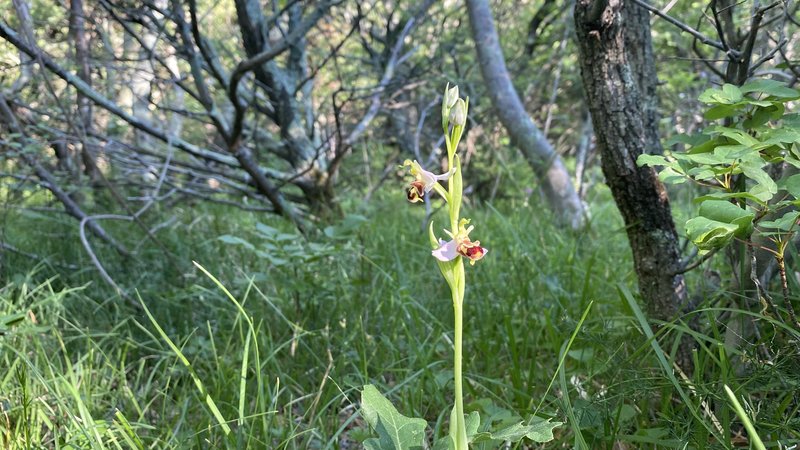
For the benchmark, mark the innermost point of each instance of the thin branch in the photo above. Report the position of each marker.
(700, 36)
(12, 37)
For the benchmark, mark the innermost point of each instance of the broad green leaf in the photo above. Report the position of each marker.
(539, 430)
(708, 234)
(756, 173)
(719, 221)
(445, 443)
(761, 192)
(791, 185)
(761, 116)
(782, 135)
(722, 111)
(692, 140)
(395, 431)
(733, 152)
(771, 88)
(791, 120)
(728, 195)
(708, 158)
(786, 222)
(705, 146)
(737, 135)
(703, 173)
(473, 421)
(727, 212)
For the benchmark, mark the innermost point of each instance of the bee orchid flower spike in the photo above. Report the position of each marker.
(450, 254)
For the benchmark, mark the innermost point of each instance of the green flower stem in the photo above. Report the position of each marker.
(458, 430)
(458, 303)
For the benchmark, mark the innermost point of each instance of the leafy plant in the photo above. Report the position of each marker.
(738, 163)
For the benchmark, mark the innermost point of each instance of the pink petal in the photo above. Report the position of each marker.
(447, 251)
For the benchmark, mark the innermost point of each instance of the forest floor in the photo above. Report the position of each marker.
(271, 347)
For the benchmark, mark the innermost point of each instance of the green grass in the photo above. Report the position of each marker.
(270, 350)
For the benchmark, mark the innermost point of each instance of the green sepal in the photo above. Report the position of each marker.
(432, 237)
(456, 192)
(445, 110)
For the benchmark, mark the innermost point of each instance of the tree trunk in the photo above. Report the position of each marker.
(77, 25)
(619, 79)
(546, 163)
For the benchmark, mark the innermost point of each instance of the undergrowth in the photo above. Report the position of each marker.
(278, 362)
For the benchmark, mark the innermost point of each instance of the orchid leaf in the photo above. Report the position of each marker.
(538, 430)
(395, 431)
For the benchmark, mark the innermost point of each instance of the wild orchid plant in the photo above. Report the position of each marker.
(449, 253)
(397, 432)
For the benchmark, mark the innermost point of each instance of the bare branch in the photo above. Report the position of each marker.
(700, 36)
(12, 37)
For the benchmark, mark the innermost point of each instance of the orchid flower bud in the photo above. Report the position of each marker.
(450, 97)
(458, 114)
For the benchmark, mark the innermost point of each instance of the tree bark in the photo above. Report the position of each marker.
(619, 79)
(545, 162)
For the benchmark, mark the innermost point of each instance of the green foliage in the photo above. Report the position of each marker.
(397, 432)
(735, 161)
(380, 309)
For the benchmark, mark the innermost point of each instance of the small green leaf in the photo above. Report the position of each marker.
(395, 431)
(692, 140)
(445, 443)
(704, 146)
(473, 421)
(266, 230)
(728, 195)
(671, 176)
(233, 240)
(651, 160)
(728, 95)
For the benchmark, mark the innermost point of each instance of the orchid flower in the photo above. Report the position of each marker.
(460, 244)
(424, 182)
